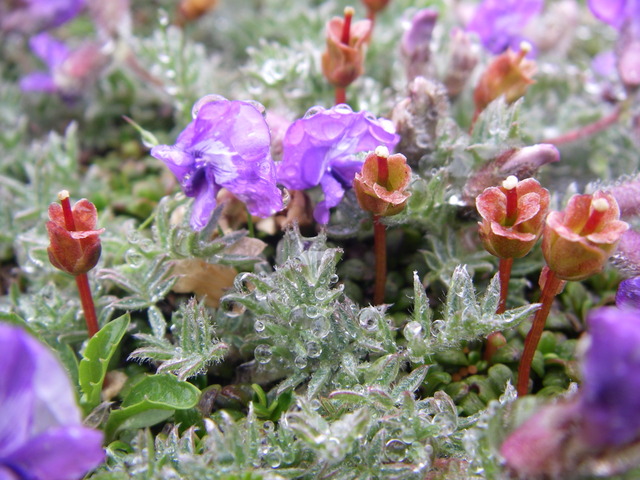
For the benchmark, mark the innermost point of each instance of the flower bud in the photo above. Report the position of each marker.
(512, 216)
(510, 74)
(578, 241)
(191, 10)
(416, 44)
(463, 58)
(74, 250)
(380, 186)
(375, 6)
(343, 60)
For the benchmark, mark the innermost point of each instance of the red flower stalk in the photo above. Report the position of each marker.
(343, 60)
(75, 246)
(380, 189)
(512, 221)
(576, 243)
(510, 74)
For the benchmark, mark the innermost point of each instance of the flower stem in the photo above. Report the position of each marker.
(252, 230)
(549, 291)
(587, 130)
(496, 338)
(82, 281)
(380, 249)
(341, 95)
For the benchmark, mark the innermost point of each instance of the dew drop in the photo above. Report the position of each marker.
(300, 362)
(297, 315)
(368, 320)
(263, 353)
(273, 457)
(412, 331)
(395, 450)
(259, 326)
(312, 311)
(233, 309)
(320, 327)
(134, 258)
(313, 349)
(313, 111)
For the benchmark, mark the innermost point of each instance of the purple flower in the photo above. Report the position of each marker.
(628, 294)
(499, 23)
(321, 149)
(225, 146)
(41, 432)
(611, 385)
(615, 12)
(32, 16)
(69, 71)
(416, 42)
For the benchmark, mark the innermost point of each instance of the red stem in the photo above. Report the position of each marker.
(341, 95)
(380, 249)
(550, 290)
(505, 274)
(82, 281)
(589, 129)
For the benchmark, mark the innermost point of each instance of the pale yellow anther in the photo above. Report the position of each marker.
(63, 195)
(600, 205)
(382, 151)
(510, 182)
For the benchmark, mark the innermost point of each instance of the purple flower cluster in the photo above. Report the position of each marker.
(41, 432)
(499, 23)
(322, 149)
(225, 146)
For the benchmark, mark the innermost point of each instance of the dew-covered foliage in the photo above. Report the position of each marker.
(240, 333)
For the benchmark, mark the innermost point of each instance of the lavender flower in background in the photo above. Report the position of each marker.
(611, 385)
(41, 432)
(628, 294)
(615, 12)
(321, 149)
(69, 71)
(416, 43)
(225, 146)
(499, 23)
(31, 16)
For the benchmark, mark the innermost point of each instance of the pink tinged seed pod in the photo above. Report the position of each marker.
(578, 241)
(74, 251)
(381, 185)
(343, 59)
(512, 216)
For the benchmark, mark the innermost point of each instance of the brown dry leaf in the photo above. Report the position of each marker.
(203, 279)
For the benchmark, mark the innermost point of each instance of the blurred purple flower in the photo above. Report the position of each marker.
(69, 71)
(416, 42)
(225, 146)
(321, 149)
(628, 294)
(41, 432)
(610, 393)
(615, 12)
(31, 16)
(499, 23)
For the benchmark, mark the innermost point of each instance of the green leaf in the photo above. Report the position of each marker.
(150, 401)
(96, 357)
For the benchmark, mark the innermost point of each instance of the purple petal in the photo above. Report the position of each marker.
(499, 23)
(50, 50)
(628, 294)
(333, 193)
(609, 11)
(179, 161)
(611, 388)
(65, 453)
(205, 201)
(38, 82)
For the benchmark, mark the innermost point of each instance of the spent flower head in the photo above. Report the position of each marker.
(322, 149)
(74, 242)
(416, 42)
(381, 185)
(499, 23)
(225, 146)
(509, 74)
(512, 216)
(343, 59)
(41, 431)
(578, 241)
